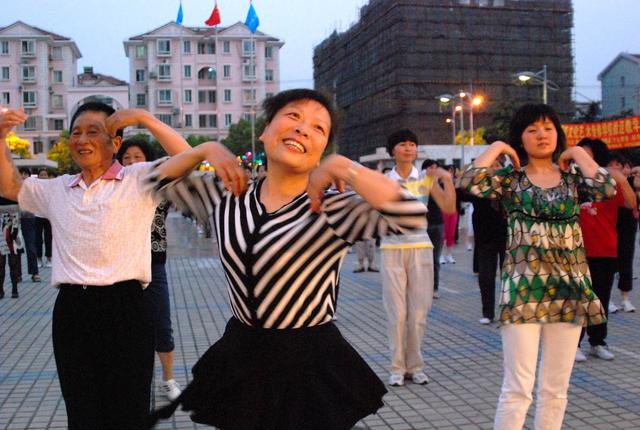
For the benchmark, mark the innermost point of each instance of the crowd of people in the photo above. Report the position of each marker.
(563, 222)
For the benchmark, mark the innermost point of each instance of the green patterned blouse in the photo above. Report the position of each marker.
(545, 276)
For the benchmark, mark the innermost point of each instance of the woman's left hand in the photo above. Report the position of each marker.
(333, 170)
(574, 153)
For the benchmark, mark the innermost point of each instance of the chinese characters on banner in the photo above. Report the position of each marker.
(617, 134)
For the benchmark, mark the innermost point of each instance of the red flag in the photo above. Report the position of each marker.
(214, 19)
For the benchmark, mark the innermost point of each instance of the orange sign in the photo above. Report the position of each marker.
(617, 134)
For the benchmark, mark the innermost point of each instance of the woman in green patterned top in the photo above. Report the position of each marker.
(546, 294)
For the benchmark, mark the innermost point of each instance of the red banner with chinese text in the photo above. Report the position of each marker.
(617, 134)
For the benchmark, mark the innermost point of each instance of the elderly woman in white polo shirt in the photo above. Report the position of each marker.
(101, 219)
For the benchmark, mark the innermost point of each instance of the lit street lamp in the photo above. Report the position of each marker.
(469, 100)
(539, 77)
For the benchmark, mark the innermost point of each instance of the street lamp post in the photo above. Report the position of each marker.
(471, 103)
(540, 77)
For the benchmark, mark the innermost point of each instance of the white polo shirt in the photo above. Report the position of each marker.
(405, 241)
(101, 231)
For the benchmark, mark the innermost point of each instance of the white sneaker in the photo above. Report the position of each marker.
(484, 321)
(170, 388)
(48, 263)
(627, 306)
(443, 260)
(451, 260)
(420, 378)
(580, 357)
(40, 263)
(469, 248)
(612, 308)
(396, 380)
(602, 352)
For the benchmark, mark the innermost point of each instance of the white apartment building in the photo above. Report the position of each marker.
(201, 80)
(38, 72)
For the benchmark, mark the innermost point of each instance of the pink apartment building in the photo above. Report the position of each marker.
(38, 72)
(200, 80)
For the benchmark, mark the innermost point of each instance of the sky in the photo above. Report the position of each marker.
(603, 29)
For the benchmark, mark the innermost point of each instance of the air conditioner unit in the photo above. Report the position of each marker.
(153, 75)
(24, 60)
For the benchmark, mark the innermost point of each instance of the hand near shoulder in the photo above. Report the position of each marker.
(227, 167)
(438, 173)
(123, 118)
(497, 148)
(576, 154)
(334, 169)
(10, 118)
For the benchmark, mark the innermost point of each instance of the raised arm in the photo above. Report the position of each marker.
(494, 150)
(224, 162)
(627, 192)
(171, 140)
(373, 186)
(10, 179)
(587, 165)
(444, 194)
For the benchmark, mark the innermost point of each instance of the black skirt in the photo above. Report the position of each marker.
(262, 379)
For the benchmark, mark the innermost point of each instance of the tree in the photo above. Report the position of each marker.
(197, 140)
(590, 114)
(239, 139)
(17, 145)
(499, 128)
(478, 137)
(62, 154)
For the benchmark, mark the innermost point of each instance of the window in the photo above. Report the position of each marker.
(141, 51)
(227, 96)
(212, 120)
(58, 124)
(164, 97)
(141, 99)
(249, 97)
(4, 47)
(249, 72)
(56, 53)
(28, 73)
(188, 120)
(228, 119)
(267, 95)
(28, 48)
(56, 101)
(187, 71)
(140, 75)
(5, 73)
(165, 117)
(202, 96)
(57, 76)
(164, 72)
(38, 147)
(226, 71)
(268, 75)
(622, 81)
(211, 96)
(201, 48)
(186, 47)
(30, 124)
(202, 121)
(187, 96)
(6, 98)
(29, 98)
(207, 73)
(248, 48)
(246, 116)
(211, 48)
(164, 47)
(226, 47)
(268, 52)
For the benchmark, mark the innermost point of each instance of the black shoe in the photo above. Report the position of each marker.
(373, 270)
(360, 270)
(1, 294)
(14, 295)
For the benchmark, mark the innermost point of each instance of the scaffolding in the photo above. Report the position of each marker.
(386, 70)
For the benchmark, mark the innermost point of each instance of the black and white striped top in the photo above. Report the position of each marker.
(283, 267)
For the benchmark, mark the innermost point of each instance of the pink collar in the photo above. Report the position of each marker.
(115, 172)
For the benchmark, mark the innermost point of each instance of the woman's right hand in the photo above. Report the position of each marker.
(227, 167)
(506, 149)
(10, 118)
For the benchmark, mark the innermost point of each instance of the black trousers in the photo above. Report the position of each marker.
(103, 346)
(489, 253)
(436, 234)
(14, 266)
(43, 237)
(602, 271)
(626, 250)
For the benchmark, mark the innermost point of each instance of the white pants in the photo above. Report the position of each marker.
(366, 249)
(407, 294)
(520, 344)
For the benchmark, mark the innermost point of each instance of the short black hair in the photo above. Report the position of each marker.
(271, 105)
(147, 150)
(601, 154)
(93, 107)
(619, 158)
(527, 115)
(24, 170)
(428, 163)
(400, 136)
(43, 169)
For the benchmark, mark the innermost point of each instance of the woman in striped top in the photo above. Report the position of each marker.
(281, 363)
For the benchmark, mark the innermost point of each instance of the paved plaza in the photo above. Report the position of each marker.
(463, 357)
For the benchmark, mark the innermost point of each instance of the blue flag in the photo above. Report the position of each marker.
(252, 20)
(180, 15)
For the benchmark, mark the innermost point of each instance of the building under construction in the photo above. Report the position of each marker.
(387, 70)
